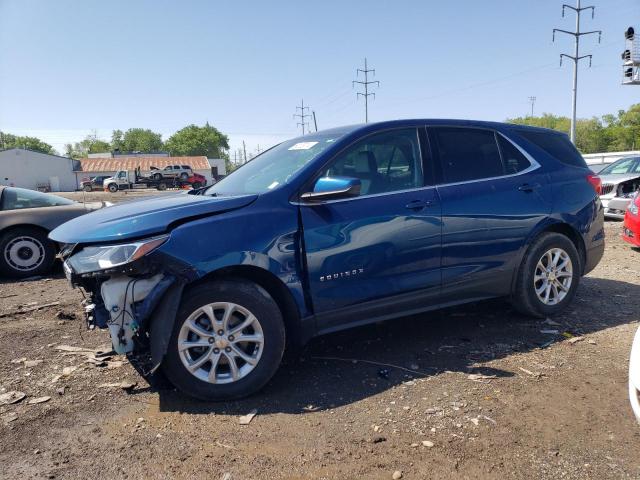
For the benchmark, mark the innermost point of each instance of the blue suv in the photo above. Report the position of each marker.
(331, 230)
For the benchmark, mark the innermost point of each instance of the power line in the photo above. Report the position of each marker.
(302, 115)
(366, 84)
(576, 55)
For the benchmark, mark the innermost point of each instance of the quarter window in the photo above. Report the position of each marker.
(385, 162)
(512, 158)
(467, 153)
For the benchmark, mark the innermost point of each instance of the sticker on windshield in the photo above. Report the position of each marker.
(303, 146)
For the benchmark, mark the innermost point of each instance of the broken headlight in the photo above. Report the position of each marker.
(104, 257)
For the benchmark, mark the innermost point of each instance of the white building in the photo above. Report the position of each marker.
(37, 171)
(218, 167)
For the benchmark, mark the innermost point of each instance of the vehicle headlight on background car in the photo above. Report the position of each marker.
(105, 257)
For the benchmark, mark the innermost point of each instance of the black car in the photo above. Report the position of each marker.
(94, 182)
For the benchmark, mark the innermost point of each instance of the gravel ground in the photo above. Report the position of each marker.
(470, 392)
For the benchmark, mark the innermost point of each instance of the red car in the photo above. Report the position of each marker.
(197, 180)
(631, 228)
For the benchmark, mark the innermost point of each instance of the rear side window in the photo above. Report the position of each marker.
(186, 167)
(513, 159)
(557, 145)
(467, 153)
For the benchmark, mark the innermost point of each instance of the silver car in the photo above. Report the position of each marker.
(620, 181)
(26, 218)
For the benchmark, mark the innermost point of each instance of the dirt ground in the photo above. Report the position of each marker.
(472, 392)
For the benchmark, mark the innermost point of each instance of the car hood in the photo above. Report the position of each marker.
(616, 178)
(143, 217)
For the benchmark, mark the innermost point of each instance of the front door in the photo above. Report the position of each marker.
(381, 245)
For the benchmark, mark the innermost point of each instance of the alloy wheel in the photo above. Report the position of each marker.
(553, 276)
(220, 342)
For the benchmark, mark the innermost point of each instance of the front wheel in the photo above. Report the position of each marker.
(113, 188)
(548, 277)
(227, 341)
(26, 252)
(87, 188)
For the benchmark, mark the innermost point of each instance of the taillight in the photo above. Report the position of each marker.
(595, 182)
(634, 204)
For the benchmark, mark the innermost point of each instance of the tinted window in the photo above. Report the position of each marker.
(186, 167)
(622, 166)
(385, 162)
(557, 145)
(467, 153)
(513, 159)
(18, 198)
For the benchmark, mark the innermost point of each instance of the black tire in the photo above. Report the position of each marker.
(157, 176)
(162, 186)
(184, 175)
(255, 299)
(87, 188)
(524, 297)
(196, 185)
(113, 188)
(45, 251)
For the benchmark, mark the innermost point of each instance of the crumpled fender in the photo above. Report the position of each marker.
(162, 320)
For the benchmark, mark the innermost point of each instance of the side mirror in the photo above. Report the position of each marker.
(332, 188)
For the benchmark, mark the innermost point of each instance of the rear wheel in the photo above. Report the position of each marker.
(26, 252)
(162, 186)
(227, 341)
(184, 175)
(87, 188)
(157, 176)
(196, 184)
(548, 277)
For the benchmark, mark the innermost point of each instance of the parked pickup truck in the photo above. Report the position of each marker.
(127, 179)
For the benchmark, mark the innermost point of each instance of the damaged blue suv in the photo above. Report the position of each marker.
(331, 230)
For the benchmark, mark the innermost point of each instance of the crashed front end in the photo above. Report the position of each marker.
(125, 285)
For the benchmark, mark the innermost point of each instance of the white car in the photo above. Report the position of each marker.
(620, 181)
(634, 376)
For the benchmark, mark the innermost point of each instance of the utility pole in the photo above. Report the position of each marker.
(532, 101)
(302, 115)
(315, 122)
(366, 71)
(578, 9)
(244, 148)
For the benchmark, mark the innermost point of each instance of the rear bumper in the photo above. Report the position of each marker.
(616, 208)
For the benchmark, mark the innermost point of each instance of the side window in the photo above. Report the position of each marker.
(467, 153)
(167, 168)
(512, 158)
(557, 145)
(385, 162)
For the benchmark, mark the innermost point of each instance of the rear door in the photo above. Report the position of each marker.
(384, 244)
(493, 194)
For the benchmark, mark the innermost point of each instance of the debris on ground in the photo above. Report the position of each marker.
(246, 419)
(11, 397)
(397, 475)
(575, 340)
(37, 400)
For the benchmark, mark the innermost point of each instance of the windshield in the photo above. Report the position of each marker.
(17, 198)
(622, 166)
(273, 168)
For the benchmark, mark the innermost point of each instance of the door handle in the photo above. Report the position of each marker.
(529, 187)
(418, 204)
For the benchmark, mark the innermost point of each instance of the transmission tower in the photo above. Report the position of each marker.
(532, 101)
(366, 71)
(302, 115)
(576, 55)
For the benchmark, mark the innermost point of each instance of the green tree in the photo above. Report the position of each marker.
(194, 140)
(8, 140)
(90, 144)
(136, 140)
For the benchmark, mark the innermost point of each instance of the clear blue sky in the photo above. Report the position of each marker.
(67, 67)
